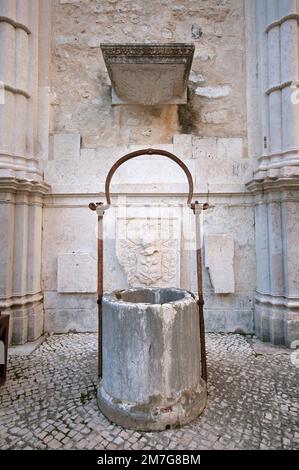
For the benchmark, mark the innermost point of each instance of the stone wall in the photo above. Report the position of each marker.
(89, 135)
(82, 93)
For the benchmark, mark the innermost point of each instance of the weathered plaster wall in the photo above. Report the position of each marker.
(89, 135)
(82, 102)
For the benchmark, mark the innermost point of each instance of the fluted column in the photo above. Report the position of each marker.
(21, 140)
(273, 121)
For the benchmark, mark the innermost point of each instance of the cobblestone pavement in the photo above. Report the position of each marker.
(49, 401)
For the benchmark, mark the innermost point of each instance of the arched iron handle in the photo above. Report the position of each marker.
(138, 153)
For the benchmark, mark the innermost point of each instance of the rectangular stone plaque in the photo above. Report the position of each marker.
(77, 273)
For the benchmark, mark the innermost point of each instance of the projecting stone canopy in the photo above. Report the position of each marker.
(148, 74)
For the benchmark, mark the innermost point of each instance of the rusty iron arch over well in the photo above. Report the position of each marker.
(196, 208)
(150, 151)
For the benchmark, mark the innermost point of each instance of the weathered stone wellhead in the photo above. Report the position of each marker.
(151, 359)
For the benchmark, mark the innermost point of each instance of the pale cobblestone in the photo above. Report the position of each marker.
(49, 401)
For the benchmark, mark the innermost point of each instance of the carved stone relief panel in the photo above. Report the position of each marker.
(148, 249)
(148, 74)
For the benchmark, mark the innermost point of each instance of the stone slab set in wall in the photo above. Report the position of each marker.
(219, 259)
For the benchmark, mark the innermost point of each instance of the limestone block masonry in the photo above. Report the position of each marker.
(151, 359)
(24, 131)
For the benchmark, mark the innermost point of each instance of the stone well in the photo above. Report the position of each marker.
(151, 359)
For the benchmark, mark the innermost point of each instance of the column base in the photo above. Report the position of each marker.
(276, 323)
(26, 322)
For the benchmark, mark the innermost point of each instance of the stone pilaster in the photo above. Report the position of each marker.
(23, 143)
(273, 125)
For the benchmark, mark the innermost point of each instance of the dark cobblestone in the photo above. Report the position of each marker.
(49, 401)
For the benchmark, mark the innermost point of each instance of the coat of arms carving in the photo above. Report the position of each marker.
(147, 249)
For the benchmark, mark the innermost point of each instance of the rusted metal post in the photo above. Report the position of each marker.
(197, 208)
(98, 207)
(100, 289)
(4, 326)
